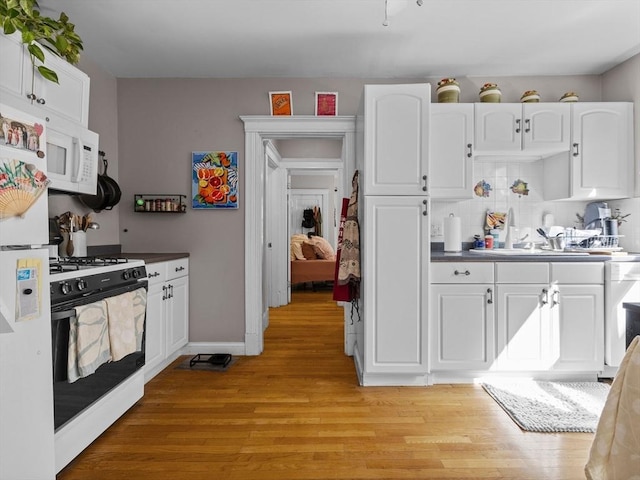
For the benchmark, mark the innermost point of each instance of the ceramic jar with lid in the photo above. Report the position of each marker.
(569, 97)
(490, 93)
(530, 96)
(448, 91)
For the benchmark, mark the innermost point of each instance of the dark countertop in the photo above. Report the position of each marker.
(154, 257)
(465, 256)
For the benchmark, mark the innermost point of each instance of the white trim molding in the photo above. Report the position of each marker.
(257, 129)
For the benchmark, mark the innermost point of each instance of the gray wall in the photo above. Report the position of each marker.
(161, 121)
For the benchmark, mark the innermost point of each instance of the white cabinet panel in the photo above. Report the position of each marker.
(167, 324)
(396, 134)
(451, 156)
(26, 89)
(602, 150)
(395, 284)
(463, 330)
(578, 316)
(535, 128)
(524, 335)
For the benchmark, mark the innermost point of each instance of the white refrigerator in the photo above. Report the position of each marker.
(26, 385)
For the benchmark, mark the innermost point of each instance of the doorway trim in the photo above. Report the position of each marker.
(257, 129)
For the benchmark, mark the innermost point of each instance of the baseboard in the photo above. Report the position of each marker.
(234, 348)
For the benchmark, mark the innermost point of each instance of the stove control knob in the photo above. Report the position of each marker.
(136, 273)
(126, 275)
(65, 288)
(82, 284)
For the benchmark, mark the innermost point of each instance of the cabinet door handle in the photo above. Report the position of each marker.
(576, 150)
(527, 125)
(41, 101)
(170, 291)
(32, 96)
(470, 152)
(555, 300)
(465, 273)
(164, 292)
(179, 269)
(545, 297)
(518, 121)
(424, 179)
(426, 208)
(490, 294)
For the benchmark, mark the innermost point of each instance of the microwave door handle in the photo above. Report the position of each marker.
(78, 151)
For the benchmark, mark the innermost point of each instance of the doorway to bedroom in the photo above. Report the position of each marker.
(260, 171)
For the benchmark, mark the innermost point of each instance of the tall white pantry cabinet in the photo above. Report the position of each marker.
(393, 158)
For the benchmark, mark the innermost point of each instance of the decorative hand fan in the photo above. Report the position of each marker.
(20, 186)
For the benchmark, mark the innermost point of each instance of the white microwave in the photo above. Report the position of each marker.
(72, 159)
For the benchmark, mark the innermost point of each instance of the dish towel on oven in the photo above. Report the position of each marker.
(139, 313)
(88, 340)
(122, 326)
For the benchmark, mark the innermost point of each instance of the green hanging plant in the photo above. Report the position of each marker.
(57, 36)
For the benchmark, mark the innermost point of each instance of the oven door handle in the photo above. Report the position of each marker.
(55, 316)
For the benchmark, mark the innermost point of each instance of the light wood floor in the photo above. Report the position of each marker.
(297, 412)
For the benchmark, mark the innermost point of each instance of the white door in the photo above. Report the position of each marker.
(547, 126)
(396, 288)
(302, 199)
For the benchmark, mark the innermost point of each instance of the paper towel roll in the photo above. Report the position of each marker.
(452, 234)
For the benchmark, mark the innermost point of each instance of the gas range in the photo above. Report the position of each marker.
(82, 277)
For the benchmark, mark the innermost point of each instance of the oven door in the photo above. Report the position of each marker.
(70, 399)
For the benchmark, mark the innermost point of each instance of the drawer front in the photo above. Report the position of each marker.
(156, 272)
(522, 272)
(577, 273)
(471, 272)
(177, 268)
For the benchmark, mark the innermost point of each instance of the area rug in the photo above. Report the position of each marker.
(550, 406)
(205, 367)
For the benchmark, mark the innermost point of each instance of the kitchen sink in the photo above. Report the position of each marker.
(525, 251)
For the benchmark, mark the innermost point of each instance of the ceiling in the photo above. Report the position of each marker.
(347, 39)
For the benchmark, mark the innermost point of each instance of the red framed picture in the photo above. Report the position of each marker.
(326, 103)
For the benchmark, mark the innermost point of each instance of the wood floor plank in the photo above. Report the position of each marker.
(296, 412)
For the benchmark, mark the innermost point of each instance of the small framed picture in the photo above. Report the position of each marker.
(326, 103)
(281, 103)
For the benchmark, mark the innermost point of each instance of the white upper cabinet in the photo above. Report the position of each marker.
(24, 88)
(396, 139)
(602, 150)
(451, 156)
(600, 164)
(531, 128)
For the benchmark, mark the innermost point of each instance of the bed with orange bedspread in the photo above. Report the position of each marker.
(319, 270)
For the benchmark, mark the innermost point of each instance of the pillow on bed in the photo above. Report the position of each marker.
(323, 248)
(308, 251)
(296, 246)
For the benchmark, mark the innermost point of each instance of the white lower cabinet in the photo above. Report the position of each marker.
(462, 331)
(577, 308)
(524, 340)
(462, 314)
(535, 318)
(167, 325)
(393, 334)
